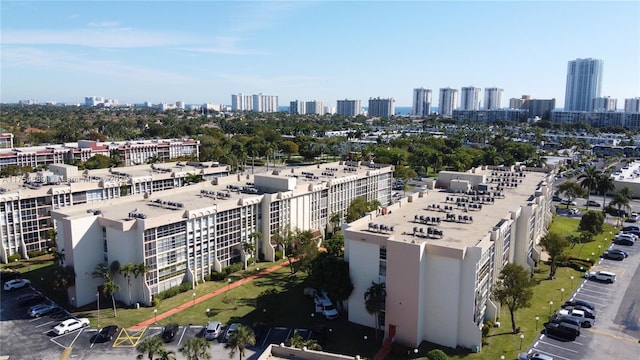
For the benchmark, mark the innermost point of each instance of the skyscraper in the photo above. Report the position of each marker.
(470, 98)
(421, 102)
(297, 107)
(382, 107)
(632, 105)
(605, 103)
(584, 81)
(348, 107)
(314, 107)
(447, 101)
(492, 98)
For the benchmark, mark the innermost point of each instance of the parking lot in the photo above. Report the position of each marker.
(23, 337)
(616, 331)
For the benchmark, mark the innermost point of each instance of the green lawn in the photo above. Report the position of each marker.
(289, 307)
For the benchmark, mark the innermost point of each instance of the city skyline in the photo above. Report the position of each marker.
(204, 51)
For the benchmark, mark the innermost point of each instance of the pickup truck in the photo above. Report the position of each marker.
(579, 315)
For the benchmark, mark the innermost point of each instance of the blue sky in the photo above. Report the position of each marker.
(204, 51)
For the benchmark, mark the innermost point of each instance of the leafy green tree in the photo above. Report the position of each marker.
(556, 247)
(514, 290)
(332, 274)
(571, 190)
(98, 161)
(239, 340)
(150, 346)
(592, 221)
(374, 301)
(359, 207)
(335, 244)
(335, 220)
(196, 348)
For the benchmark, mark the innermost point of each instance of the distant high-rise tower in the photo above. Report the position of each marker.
(605, 103)
(348, 107)
(584, 81)
(470, 98)
(447, 101)
(382, 107)
(314, 107)
(632, 105)
(421, 102)
(492, 98)
(297, 107)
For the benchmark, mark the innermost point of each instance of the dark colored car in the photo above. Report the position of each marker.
(105, 334)
(556, 198)
(169, 332)
(613, 255)
(6, 275)
(579, 303)
(30, 298)
(562, 331)
(623, 241)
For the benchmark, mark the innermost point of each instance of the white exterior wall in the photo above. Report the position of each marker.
(363, 270)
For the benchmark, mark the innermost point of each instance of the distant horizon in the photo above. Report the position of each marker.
(65, 50)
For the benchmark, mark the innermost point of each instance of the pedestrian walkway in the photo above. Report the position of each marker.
(208, 296)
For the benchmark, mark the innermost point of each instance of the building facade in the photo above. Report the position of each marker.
(491, 116)
(382, 107)
(470, 98)
(26, 202)
(348, 107)
(539, 107)
(440, 252)
(241, 102)
(297, 107)
(632, 105)
(421, 104)
(264, 103)
(584, 83)
(448, 101)
(186, 233)
(492, 98)
(604, 103)
(314, 108)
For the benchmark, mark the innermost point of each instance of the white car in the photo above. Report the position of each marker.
(16, 284)
(70, 325)
(325, 306)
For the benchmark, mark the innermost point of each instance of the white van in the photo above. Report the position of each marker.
(605, 276)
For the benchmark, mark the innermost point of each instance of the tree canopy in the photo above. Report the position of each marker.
(514, 290)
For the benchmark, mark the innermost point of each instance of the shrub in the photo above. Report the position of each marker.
(207, 277)
(14, 257)
(36, 253)
(185, 286)
(437, 354)
(278, 255)
(217, 276)
(156, 302)
(233, 268)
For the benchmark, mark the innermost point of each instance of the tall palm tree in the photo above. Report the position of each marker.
(626, 192)
(589, 180)
(256, 236)
(151, 345)
(248, 247)
(620, 201)
(110, 287)
(196, 348)
(239, 340)
(374, 301)
(605, 184)
(127, 271)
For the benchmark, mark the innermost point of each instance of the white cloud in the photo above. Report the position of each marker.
(223, 45)
(104, 24)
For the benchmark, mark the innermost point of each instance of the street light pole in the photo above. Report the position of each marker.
(155, 316)
(521, 338)
(561, 294)
(537, 318)
(98, 306)
(571, 281)
(550, 304)
(194, 298)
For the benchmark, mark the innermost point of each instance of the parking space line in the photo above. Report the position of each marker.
(184, 330)
(593, 291)
(559, 347)
(132, 339)
(552, 354)
(44, 324)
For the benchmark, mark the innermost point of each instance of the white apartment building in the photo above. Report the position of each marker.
(470, 98)
(440, 251)
(584, 83)
(605, 103)
(447, 101)
(26, 204)
(492, 98)
(297, 107)
(265, 103)
(314, 107)
(241, 102)
(421, 104)
(185, 233)
(632, 105)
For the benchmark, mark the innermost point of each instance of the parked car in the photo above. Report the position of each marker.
(329, 311)
(633, 218)
(30, 298)
(631, 228)
(567, 202)
(70, 325)
(623, 241)
(213, 330)
(533, 356)
(593, 203)
(16, 284)
(576, 302)
(169, 332)
(42, 309)
(579, 315)
(562, 331)
(105, 334)
(556, 198)
(614, 255)
(605, 276)
(233, 327)
(6, 275)
(587, 312)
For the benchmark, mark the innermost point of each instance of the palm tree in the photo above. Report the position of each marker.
(164, 354)
(127, 270)
(110, 287)
(620, 201)
(196, 348)
(239, 340)
(248, 247)
(374, 301)
(605, 184)
(626, 192)
(151, 345)
(257, 237)
(589, 180)
(334, 220)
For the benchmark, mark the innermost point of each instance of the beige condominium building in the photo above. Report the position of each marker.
(440, 250)
(26, 202)
(183, 234)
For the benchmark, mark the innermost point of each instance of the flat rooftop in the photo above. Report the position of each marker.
(629, 173)
(411, 221)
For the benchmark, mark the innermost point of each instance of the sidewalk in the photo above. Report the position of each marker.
(208, 296)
